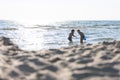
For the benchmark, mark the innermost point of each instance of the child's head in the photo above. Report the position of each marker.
(72, 30)
(78, 30)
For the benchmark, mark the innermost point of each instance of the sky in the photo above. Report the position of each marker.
(50, 11)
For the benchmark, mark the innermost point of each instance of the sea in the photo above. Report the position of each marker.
(55, 35)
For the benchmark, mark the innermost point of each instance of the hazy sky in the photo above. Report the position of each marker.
(46, 11)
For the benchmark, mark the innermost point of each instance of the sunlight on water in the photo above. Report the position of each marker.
(30, 39)
(55, 36)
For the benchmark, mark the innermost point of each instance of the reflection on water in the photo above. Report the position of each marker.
(35, 39)
(30, 39)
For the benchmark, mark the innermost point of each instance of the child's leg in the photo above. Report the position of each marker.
(81, 40)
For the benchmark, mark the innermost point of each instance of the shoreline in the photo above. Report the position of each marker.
(100, 61)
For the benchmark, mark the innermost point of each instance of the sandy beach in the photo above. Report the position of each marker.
(100, 61)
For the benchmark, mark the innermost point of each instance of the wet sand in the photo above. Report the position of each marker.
(99, 61)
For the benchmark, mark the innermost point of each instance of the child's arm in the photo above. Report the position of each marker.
(74, 36)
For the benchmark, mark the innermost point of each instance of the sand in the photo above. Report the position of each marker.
(100, 61)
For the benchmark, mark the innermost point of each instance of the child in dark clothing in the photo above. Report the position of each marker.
(71, 34)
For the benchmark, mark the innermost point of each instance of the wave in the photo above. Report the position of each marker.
(8, 29)
(77, 25)
(104, 39)
(88, 24)
(7, 24)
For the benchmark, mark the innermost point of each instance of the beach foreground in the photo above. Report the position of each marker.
(99, 61)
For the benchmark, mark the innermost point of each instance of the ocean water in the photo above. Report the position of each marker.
(37, 37)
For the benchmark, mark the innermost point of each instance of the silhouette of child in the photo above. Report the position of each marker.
(82, 36)
(71, 34)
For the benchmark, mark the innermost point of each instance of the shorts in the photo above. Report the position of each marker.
(69, 38)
